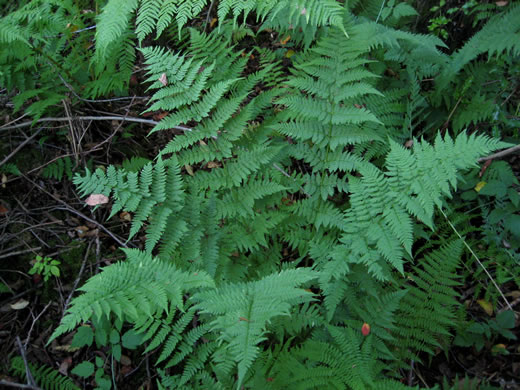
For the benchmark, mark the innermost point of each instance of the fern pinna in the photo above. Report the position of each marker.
(281, 217)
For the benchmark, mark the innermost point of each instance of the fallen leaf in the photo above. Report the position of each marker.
(81, 230)
(64, 366)
(212, 23)
(290, 53)
(501, 3)
(189, 169)
(163, 79)
(95, 199)
(285, 40)
(499, 349)
(125, 216)
(408, 144)
(160, 115)
(487, 306)
(19, 305)
(125, 360)
(480, 185)
(213, 164)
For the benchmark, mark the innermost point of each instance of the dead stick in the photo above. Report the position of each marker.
(29, 377)
(500, 154)
(92, 118)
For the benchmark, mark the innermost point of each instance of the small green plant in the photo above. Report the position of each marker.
(478, 333)
(46, 267)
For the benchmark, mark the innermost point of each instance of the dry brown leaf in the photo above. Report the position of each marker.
(213, 164)
(125, 216)
(285, 40)
(125, 360)
(95, 199)
(501, 3)
(19, 305)
(163, 79)
(189, 169)
(408, 144)
(212, 23)
(81, 230)
(64, 366)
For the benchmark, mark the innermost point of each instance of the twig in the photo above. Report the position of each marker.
(478, 260)
(29, 377)
(500, 154)
(17, 149)
(18, 385)
(74, 211)
(209, 14)
(34, 322)
(20, 252)
(92, 118)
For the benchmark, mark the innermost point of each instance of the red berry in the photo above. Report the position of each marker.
(365, 329)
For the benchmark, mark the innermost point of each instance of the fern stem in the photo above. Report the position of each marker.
(478, 260)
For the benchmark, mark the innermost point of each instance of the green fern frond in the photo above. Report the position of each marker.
(59, 169)
(427, 312)
(46, 377)
(112, 23)
(243, 310)
(500, 34)
(140, 287)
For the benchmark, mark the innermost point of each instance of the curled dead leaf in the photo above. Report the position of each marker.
(96, 199)
(19, 305)
(163, 79)
(125, 216)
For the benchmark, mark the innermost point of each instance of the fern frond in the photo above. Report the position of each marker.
(243, 310)
(140, 287)
(46, 377)
(427, 312)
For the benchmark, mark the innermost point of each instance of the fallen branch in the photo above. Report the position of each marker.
(500, 154)
(92, 118)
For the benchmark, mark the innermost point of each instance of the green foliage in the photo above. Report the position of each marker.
(46, 267)
(478, 333)
(427, 312)
(290, 209)
(46, 377)
(59, 169)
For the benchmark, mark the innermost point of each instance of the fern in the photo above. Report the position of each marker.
(59, 169)
(46, 377)
(284, 210)
(241, 323)
(427, 312)
(500, 34)
(138, 288)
